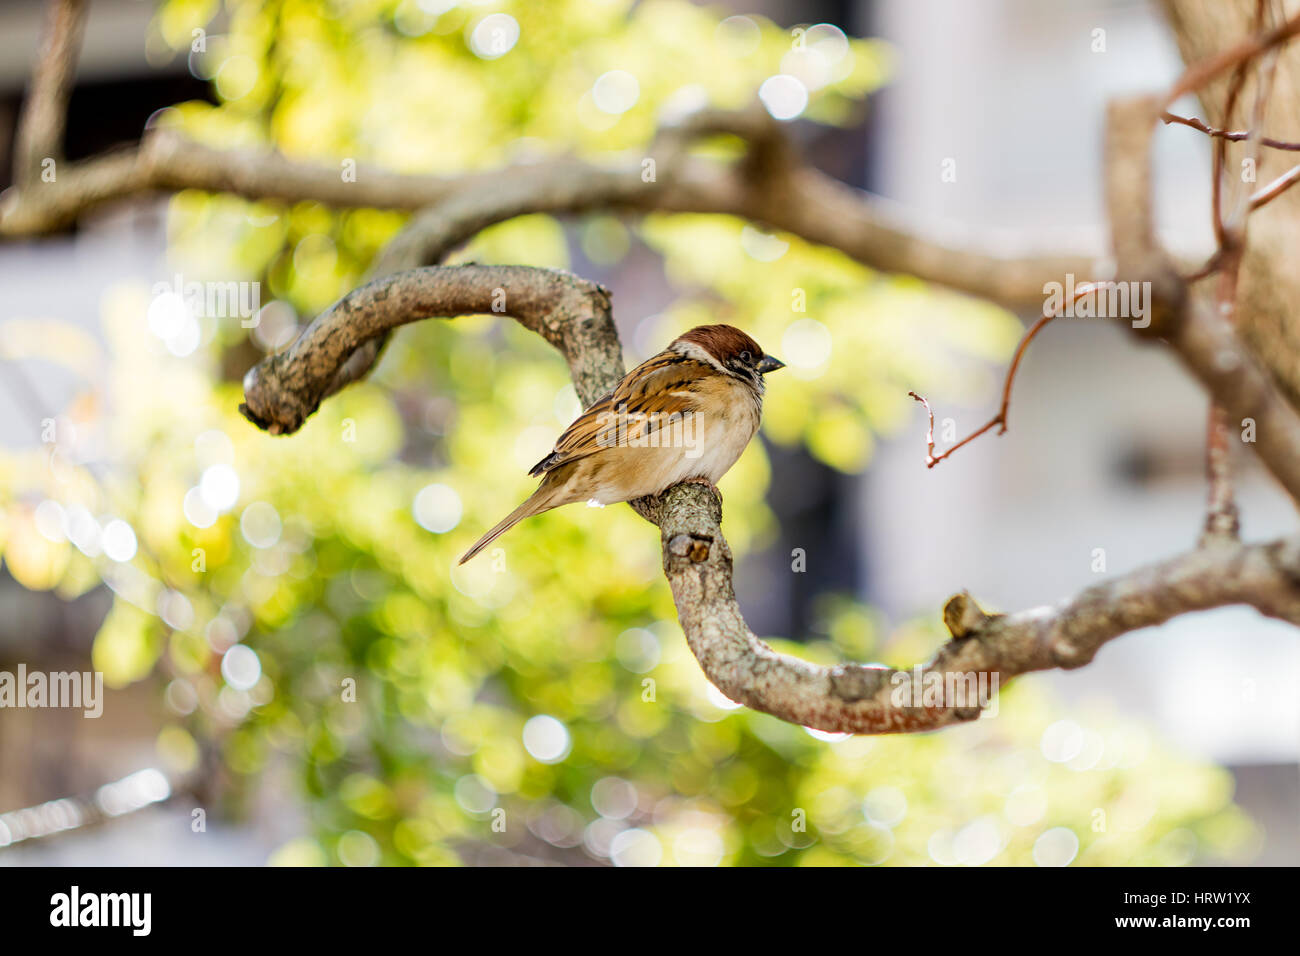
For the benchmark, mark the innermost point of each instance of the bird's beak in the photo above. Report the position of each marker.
(769, 364)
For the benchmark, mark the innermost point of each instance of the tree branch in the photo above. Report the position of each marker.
(574, 315)
(770, 187)
(1221, 517)
(1235, 136)
(1222, 520)
(45, 109)
(569, 312)
(1004, 410)
(1214, 354)
(862, 699)
(1266, 194)
(1203, 340)
(697, 560)
(1202, 72)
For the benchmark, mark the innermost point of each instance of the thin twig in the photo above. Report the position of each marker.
(1220, 156)
(1234, 136)
(1221, 518)
(1000, 419)
(1277, 187)
(929, 431)
(1202, 72)
(1236, 225)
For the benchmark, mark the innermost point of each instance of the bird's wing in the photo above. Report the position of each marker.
(642, 403)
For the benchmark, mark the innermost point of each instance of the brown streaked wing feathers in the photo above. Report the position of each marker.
(656, 386)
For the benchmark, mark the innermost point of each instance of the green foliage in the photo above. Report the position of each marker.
(399, 687)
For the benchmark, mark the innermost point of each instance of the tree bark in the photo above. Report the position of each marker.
(1269, 285)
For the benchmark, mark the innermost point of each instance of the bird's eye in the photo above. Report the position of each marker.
(747, 358)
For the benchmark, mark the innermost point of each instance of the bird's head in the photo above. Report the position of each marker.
(729, 350)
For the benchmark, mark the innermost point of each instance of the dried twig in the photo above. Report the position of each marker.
(1277, 187)
(1235, 136)
(1200, 73)
(1000, 419)
(1221, 518)
(1208, 346)
(1267, 71)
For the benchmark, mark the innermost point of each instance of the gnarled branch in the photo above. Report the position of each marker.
(771, 187)
(862, 699)
(574, 315)
(569, 312)
(697, 560)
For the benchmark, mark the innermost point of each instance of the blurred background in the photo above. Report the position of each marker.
(295, 671)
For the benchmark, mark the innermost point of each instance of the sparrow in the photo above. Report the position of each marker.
(683, 415)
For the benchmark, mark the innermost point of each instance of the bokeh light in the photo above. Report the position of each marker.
(615, 92)
(437, 508)
(785, 96)
(494, 36)
(546, 739)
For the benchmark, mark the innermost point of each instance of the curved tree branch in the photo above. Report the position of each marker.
(986, 650)
(862, 699)
(45, 109)
(569, 312)
(574, 315)
(770, 187)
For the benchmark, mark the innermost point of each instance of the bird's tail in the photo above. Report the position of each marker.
(540, 500)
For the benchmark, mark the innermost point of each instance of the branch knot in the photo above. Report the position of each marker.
(963, 617)
(694, 547)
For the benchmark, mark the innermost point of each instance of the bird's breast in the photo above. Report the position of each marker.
(701, 443)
